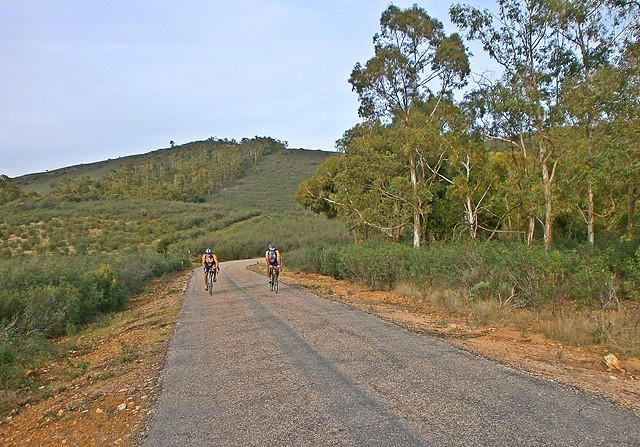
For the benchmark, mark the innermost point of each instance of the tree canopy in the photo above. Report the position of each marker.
(548, 149)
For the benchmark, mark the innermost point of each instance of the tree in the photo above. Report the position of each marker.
(586, 94)
(414, 61)
(517, 109)
(8, 191)
(366, 186)
(626, 126)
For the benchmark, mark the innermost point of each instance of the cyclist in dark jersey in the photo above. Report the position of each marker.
(272, 256)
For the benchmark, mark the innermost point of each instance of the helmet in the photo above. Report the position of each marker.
(272, 247)
(208, 251)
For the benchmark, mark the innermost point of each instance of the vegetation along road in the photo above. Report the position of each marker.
(250, 367)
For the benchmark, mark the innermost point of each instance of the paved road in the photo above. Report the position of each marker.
(248, 367)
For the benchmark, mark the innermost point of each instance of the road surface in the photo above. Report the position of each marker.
(248, 367)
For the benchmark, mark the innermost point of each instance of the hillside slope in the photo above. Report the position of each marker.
(270, 185)
(126, 205)
(40, 182)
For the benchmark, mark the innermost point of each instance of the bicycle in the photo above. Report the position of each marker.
(273, 283)
(210, 281)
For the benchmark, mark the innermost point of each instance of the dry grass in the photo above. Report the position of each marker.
(616, 330)
(574, 329)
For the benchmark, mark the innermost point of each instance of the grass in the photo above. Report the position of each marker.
(575, 297)
(271, 184)
(613, 330)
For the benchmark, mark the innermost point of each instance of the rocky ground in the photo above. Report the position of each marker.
(100, 388)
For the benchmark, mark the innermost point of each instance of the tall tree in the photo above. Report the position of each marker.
(521, 38)
(627, 125)
(414, 61)
(587, 29)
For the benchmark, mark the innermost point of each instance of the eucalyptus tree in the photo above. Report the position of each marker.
(366, 187)
(589, 34)
(414, 62)
(602, 100)
(517, 109)
(627, 126)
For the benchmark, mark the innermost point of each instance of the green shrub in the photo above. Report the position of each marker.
(526, 276)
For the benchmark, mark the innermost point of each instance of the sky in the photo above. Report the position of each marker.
(88, 80)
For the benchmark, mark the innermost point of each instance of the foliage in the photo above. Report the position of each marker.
(415, 67)
(546, 151)
(514, 275)
(46, 296)
(9, 192)
(189, 173)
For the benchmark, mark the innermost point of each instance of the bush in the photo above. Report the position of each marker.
(48, 296)
(525, 276)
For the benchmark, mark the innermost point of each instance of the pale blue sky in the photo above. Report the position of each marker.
(87, 80)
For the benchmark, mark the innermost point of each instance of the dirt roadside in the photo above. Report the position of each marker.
(100, 389)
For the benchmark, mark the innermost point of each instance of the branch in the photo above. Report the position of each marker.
(436, 171)
(386, 230)
(495, 230)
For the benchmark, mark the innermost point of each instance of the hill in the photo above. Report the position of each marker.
(271, 184)
(41, 182)
(178, 199)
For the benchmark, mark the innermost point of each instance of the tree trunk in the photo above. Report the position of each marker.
(632, 211)
(417, 227)
(548, 233)
(472, 219)
(548, 197)
(417, 230)
(591, 216)
(531, 230)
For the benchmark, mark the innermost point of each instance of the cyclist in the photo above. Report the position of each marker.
(210, 265)
(272, 257)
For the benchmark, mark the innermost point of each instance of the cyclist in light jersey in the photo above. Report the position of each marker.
(210, 265)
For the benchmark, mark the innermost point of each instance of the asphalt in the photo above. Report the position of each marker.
(249, 367)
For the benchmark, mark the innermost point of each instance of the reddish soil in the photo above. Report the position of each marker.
(100, 388)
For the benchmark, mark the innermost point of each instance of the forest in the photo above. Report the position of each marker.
(545, 151)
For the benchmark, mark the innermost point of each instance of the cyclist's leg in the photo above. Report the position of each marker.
(206, 277)
(214, 272)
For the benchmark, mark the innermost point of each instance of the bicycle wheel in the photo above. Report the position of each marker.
(210, 283)
(275, 280)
